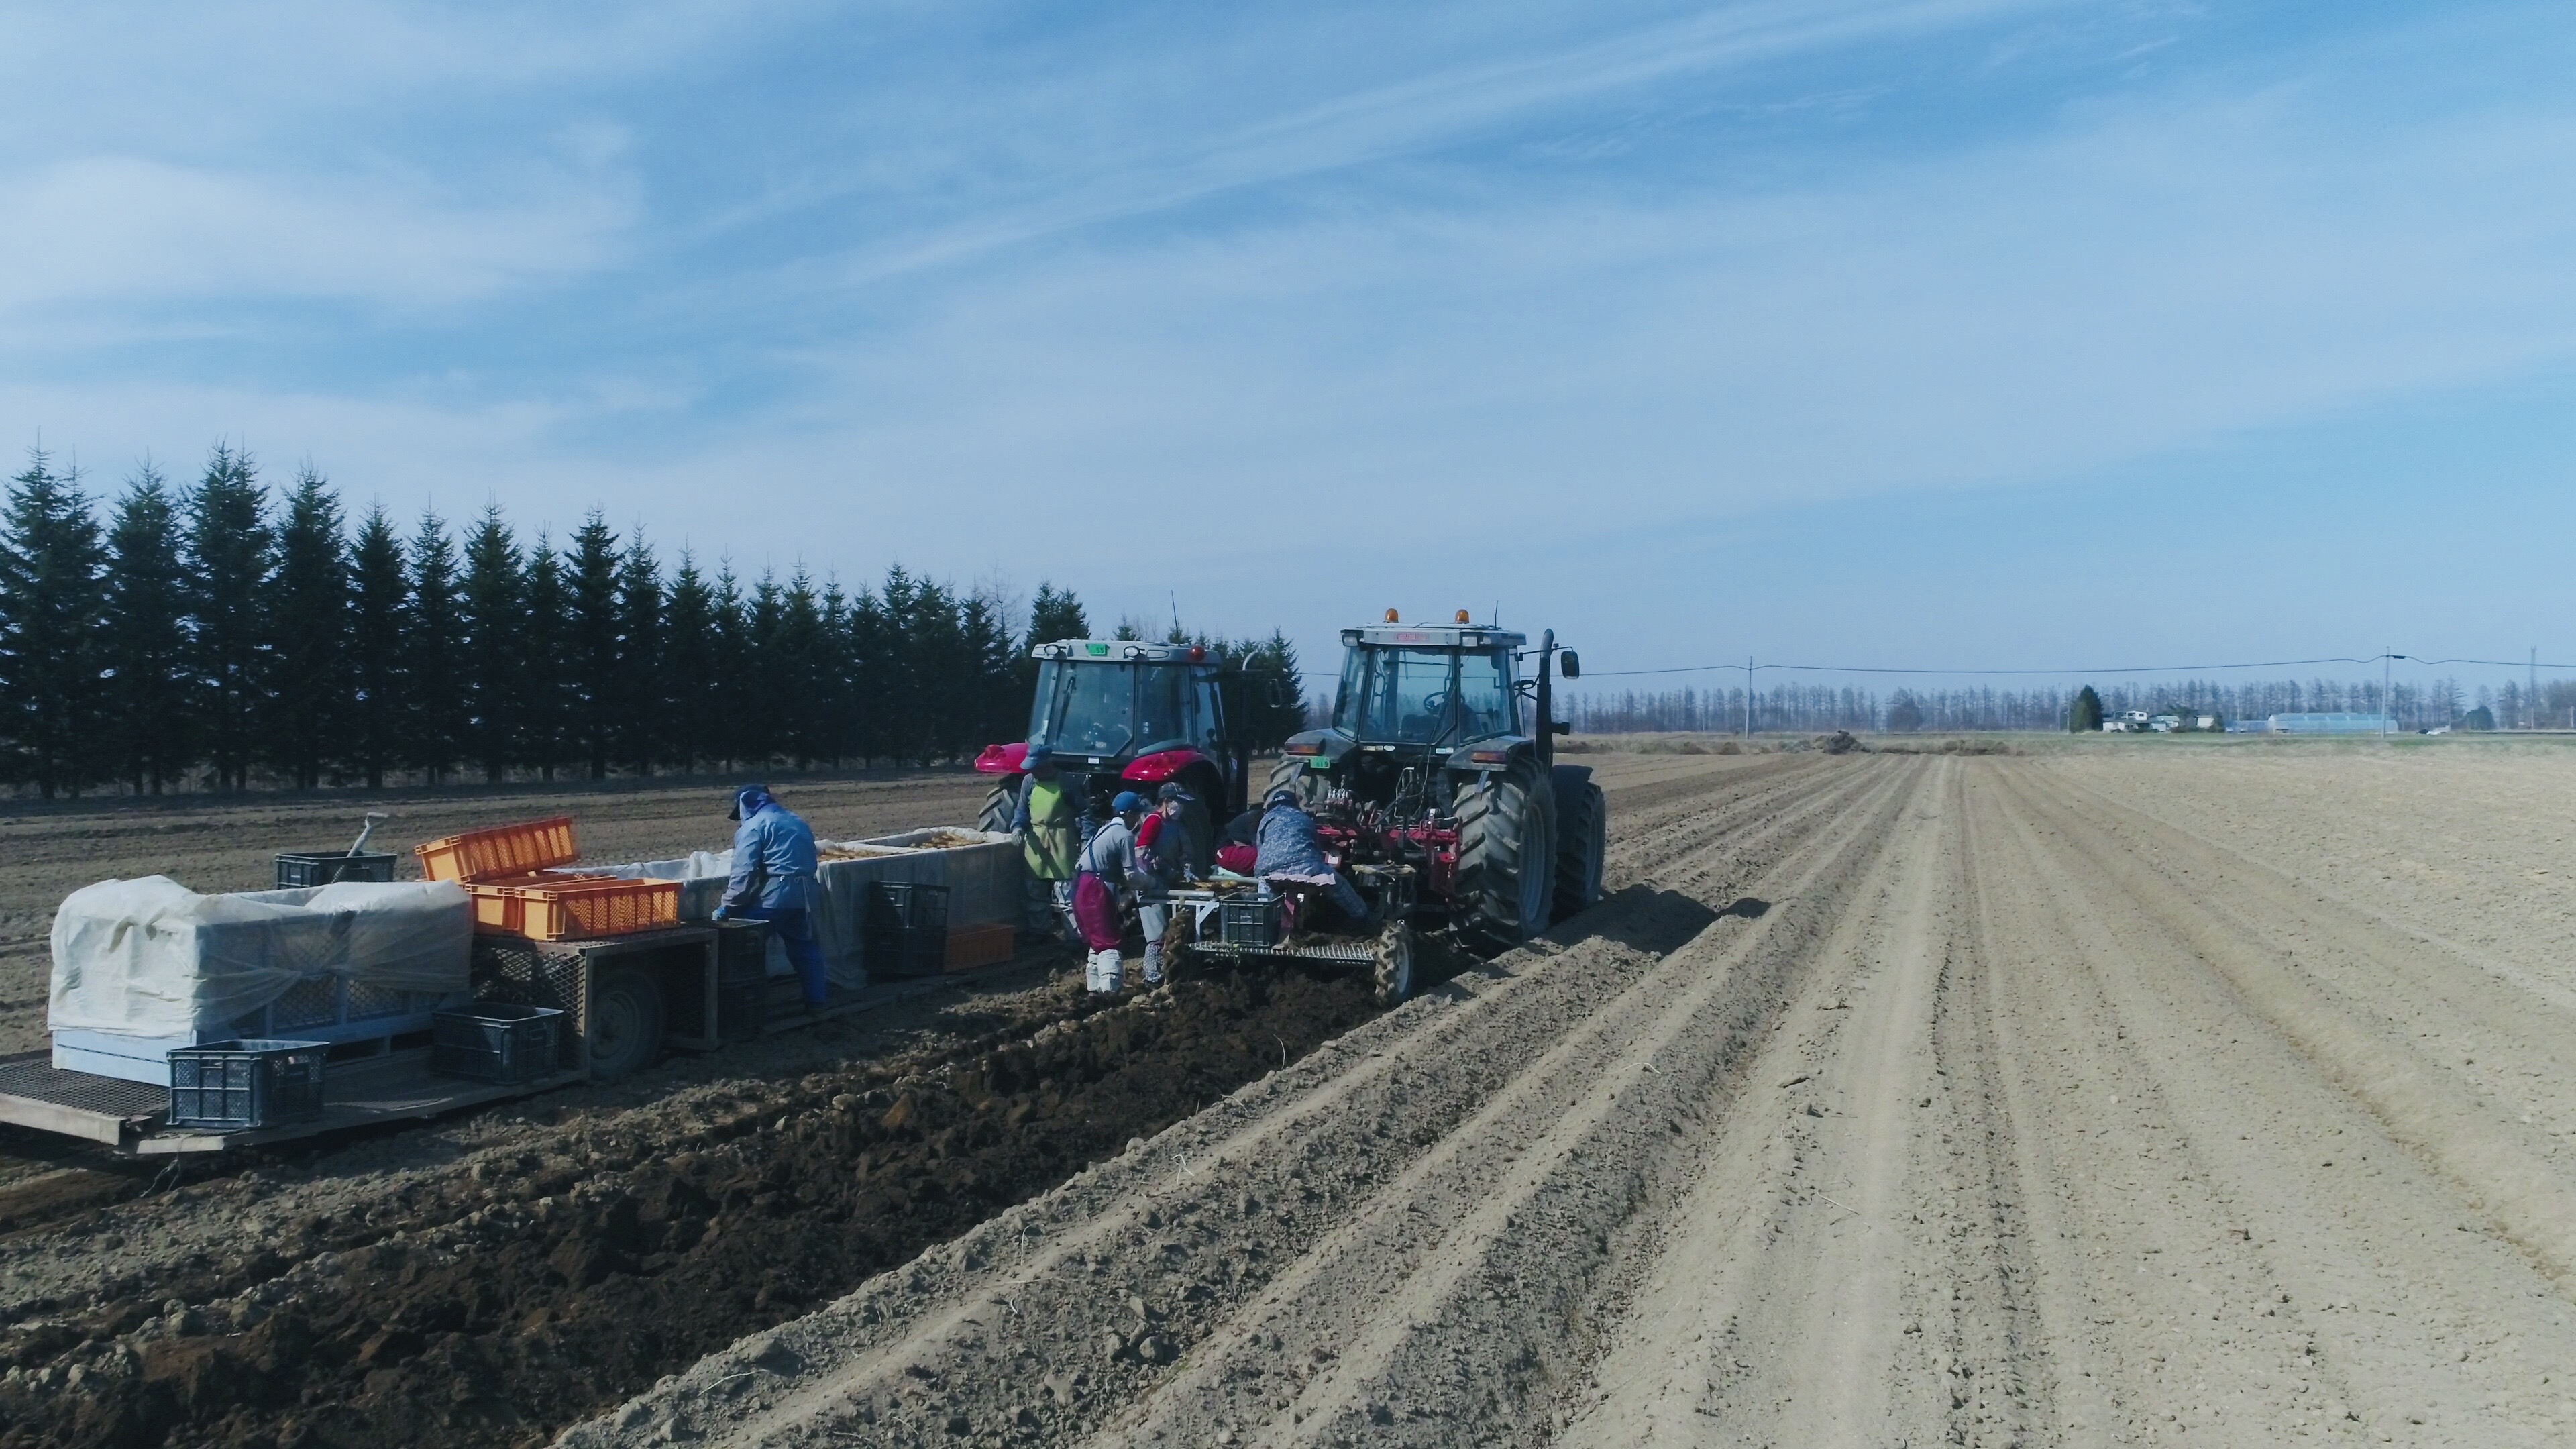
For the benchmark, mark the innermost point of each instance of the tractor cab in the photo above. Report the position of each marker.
(1424, 698)
(1130, 715)
(1101, 702)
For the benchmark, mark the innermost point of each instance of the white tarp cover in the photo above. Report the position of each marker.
(151, 957)
(983, 879)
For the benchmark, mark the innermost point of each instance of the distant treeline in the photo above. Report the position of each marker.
(211, 636)
(1813, 707)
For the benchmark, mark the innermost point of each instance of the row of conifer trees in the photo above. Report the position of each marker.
(211, 635)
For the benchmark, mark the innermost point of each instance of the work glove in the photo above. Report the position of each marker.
(724, 913)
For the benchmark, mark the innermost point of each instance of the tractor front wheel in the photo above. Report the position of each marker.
(1507, 852)
(1000, 805)
(1293, 774)
(1582, 838)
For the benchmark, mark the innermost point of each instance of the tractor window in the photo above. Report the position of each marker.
(1091, 706)
(1409, 696)
(1484, 695)
(1353, 693)
(1162, 699)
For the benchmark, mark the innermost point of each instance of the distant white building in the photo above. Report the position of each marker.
(2209, 721)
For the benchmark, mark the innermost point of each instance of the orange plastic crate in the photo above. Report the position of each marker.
(573, 907)
(973, 946)
(503, 850)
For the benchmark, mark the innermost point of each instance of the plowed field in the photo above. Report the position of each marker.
(2119, 1096)
(2090, 1100)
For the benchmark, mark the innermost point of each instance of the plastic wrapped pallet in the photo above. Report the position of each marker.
(152, 958)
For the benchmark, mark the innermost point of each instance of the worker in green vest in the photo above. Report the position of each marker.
(1052, 818)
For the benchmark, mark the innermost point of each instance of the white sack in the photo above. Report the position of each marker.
(151, 957)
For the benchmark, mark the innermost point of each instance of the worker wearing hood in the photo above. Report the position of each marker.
(773, 881)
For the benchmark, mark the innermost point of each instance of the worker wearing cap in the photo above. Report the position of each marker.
(773, 881)
(1163, 848)
(1290, 853)
(1108, 877)
(1049, 818)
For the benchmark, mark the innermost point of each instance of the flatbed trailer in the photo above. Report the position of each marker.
(597, 985)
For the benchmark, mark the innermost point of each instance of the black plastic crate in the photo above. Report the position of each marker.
(246, 1084)
(495, 1041)
(905, 953)
(742, 951)
(904, 905)
(300, 868)
(742, 1009)
(1253, 922)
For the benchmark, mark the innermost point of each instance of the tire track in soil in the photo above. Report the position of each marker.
(1469, 1165)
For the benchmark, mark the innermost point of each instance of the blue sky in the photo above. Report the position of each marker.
(1941, 334)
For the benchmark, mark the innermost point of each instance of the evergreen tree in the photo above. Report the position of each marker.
(590, 642)
(1904, 714)
(942, 675)
(895, 679)
(377, 590)
(638, 680)
(998, 702)
(546, 701)
(865, 648)
(53, 597)
(492, 615)
(2084, 717)
(435, 708)
(146, 640)
(692, 710)
(737, 728)
(308, 619)
(1056, 614)
(836, 684)
(793, 661)
(759, 677)
(1273, 694)
(231, 562)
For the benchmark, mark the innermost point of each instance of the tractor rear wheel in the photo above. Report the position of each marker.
(1507, 853)
(1001, 804)
(1582, 838)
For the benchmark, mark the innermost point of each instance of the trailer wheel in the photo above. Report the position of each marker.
(1392, 967)
(1507, 853)
(1000, 805)
(1582, 838)
(625, 1024)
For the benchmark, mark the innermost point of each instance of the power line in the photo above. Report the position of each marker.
(2102, 670)
(2105, 670)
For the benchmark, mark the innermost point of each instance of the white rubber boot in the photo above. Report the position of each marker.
(1112, 971)
(1091, 971)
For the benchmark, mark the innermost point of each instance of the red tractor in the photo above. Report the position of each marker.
(1437, 793)
(1131, 715)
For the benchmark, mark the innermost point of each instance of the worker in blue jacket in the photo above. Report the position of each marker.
(773, 881)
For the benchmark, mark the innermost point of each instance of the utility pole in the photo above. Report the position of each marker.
(1748, 696)
(2531, 705)
(2387, 717)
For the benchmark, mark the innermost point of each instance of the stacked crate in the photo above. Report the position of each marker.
(514, 874)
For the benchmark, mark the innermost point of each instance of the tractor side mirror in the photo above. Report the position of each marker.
(1559, 727)
(1273, 695)
(1570, 664)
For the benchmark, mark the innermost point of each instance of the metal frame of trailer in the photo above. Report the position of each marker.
(380, 1088)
